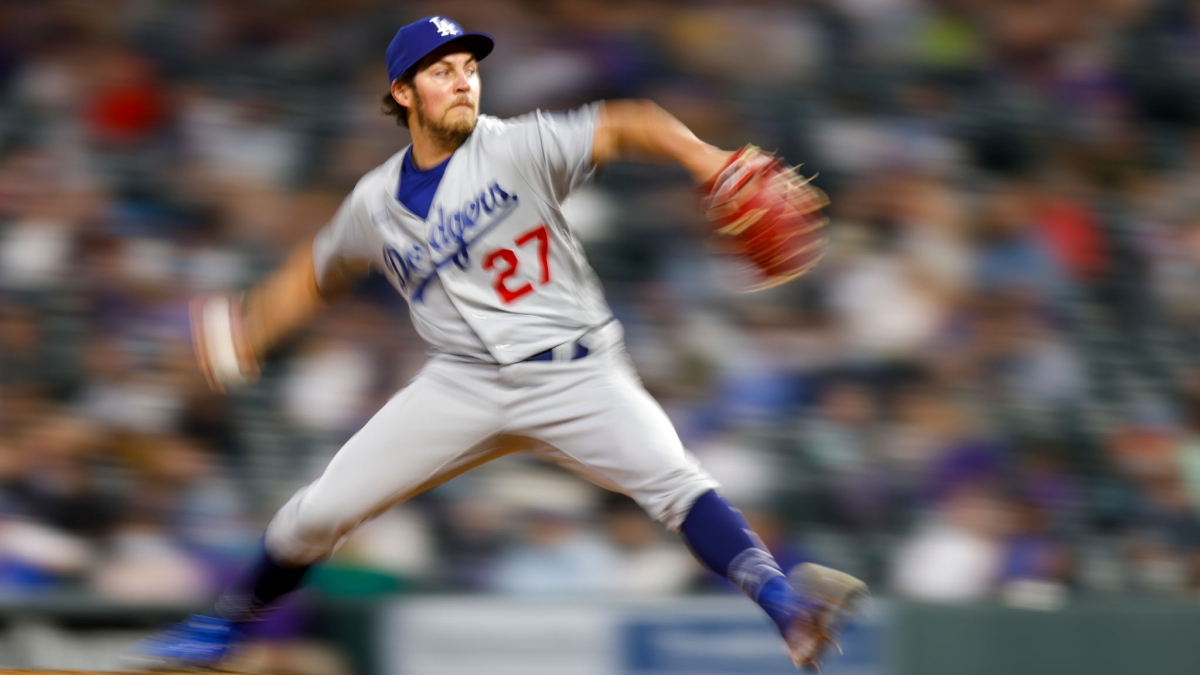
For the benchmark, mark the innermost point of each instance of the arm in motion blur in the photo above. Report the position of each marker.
(640, 128)
(232, 335)
(290, 297)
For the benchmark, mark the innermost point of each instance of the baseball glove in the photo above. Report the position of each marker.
(219, 338)
(764, 212)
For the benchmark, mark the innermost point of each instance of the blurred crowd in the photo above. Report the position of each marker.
(985, 391)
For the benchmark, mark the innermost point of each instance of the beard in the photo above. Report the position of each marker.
(447, 133)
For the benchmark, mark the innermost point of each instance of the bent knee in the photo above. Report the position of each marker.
(305, 530)
(670, 504)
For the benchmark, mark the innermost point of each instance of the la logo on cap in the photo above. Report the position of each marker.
(444, 26)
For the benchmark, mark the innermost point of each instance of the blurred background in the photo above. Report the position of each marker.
(985, 401)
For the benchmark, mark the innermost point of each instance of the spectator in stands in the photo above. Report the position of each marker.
(555, 555)
(1071, 229)
(1037, 566)
(647, 563)
(51, 514)
(957, 552)
(1013, 258)
(927, 424)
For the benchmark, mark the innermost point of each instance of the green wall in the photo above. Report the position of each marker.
(1091, 638)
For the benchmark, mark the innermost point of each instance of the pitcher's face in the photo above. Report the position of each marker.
(445, 95)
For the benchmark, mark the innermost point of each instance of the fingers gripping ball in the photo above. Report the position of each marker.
(222, 348)
(764, 212)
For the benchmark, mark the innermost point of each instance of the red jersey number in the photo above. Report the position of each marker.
(505, 263)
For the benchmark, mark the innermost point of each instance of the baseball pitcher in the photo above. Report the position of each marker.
(467, 225)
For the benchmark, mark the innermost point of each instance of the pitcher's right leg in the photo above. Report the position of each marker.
(435, 428)
(443, 423)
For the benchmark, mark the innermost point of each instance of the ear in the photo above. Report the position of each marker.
(402, 93)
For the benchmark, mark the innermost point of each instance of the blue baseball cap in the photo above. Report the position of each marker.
(416, 40)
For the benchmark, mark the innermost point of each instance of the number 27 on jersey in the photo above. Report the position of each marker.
(504, 262)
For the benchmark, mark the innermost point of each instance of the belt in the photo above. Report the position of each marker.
(548, 355)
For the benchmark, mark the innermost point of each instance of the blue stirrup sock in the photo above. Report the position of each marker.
(722, 539)
(260, 583)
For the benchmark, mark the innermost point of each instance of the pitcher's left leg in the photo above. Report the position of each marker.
(602, 424)
(608, 429)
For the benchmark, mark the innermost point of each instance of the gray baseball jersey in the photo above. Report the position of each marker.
(494, 273)
(492, 277)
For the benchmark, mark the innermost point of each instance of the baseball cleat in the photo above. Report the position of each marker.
(830, 597)
(197, 642)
